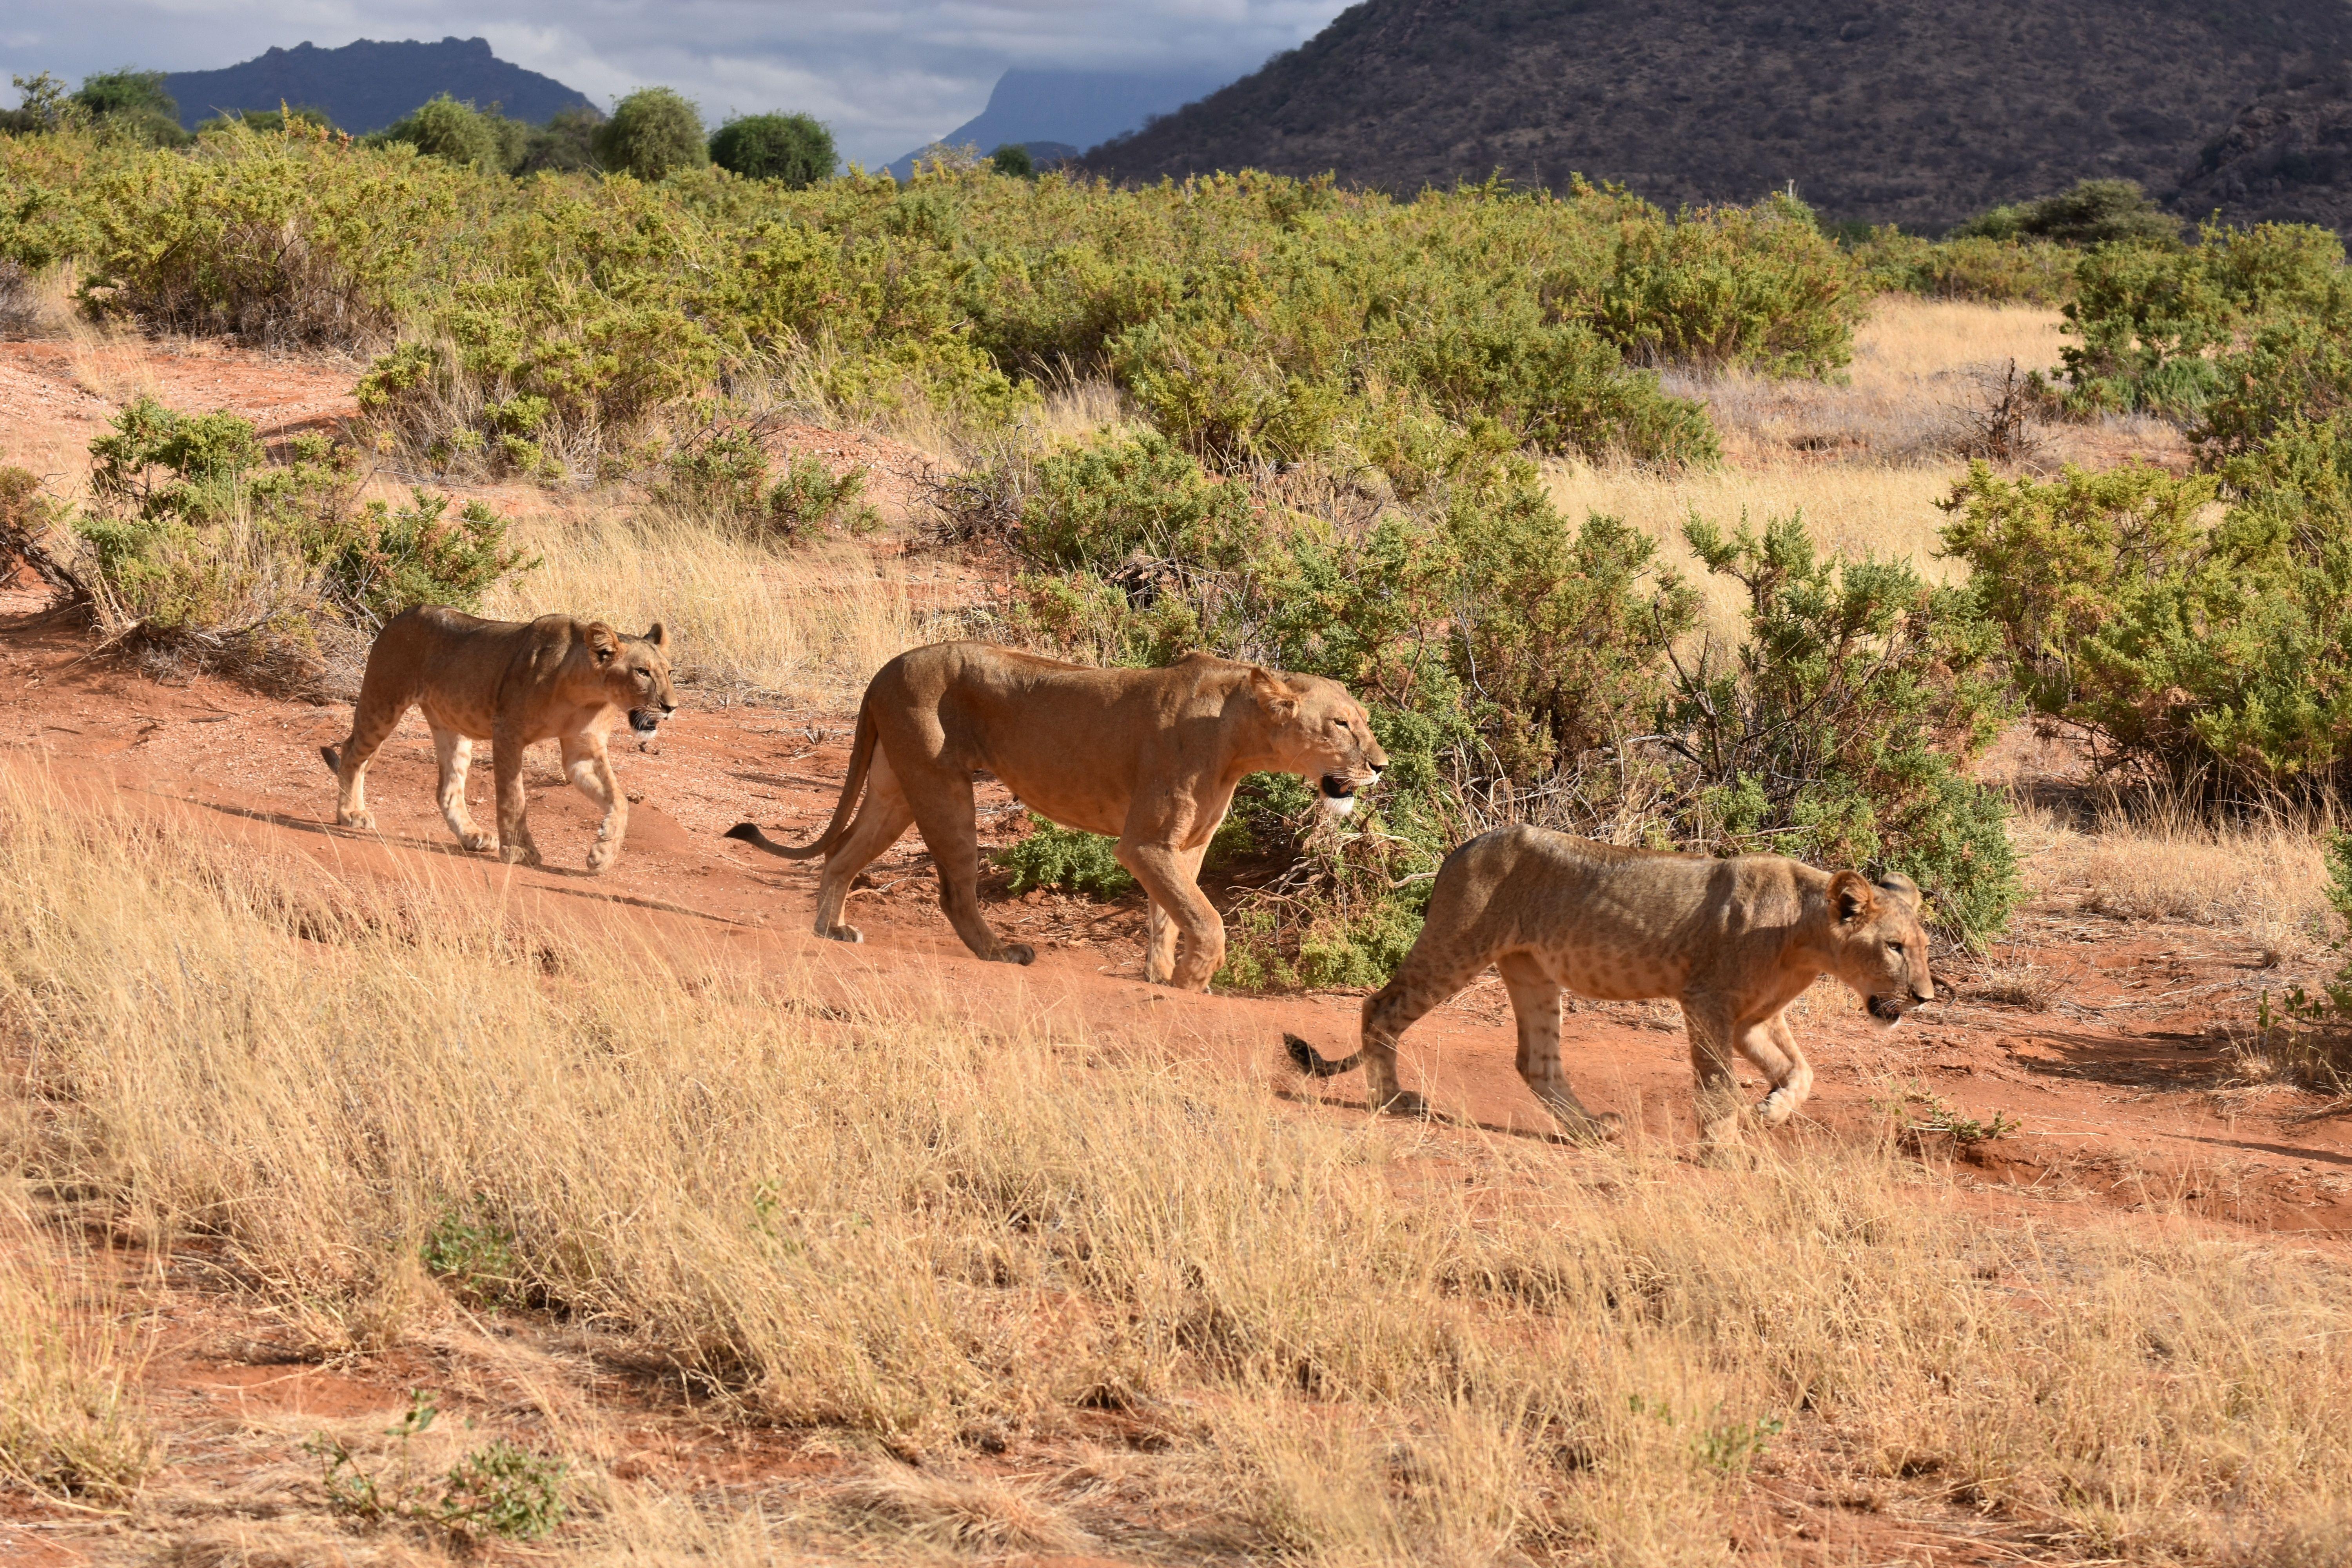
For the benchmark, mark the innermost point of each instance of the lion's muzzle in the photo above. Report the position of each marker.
(1886, 1011)
(645, 723)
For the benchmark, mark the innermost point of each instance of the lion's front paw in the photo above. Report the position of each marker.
(1405, 1102)
(519, 854)
(363, 820)
(1776, 1108)
(844, 933)
(476, 840)
(1015, 953)
(600, 858)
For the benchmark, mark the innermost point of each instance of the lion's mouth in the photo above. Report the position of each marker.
(1885, 1010)
(645, 723)
(1336, 788)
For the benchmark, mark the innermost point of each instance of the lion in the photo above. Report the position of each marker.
(1148, 757)
(512, 683)
(1733, 941)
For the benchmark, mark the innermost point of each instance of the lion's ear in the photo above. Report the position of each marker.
(1278, 700)
(1901, 889)
(657, 635)
(603, 641)
(1852, 896)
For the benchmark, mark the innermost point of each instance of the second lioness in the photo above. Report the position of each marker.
(514, 684)
(1148, 756)
(1733, 941)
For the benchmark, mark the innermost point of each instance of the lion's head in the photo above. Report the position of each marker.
(1877, 945)
(634, 673)
(1319, 733)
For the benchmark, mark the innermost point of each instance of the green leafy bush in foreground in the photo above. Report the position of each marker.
(2210, 646)
(198, 545)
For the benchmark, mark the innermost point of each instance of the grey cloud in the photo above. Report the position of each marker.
(887, 75)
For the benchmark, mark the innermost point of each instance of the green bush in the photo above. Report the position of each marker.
(271, 121)
(199, 545)
(1051, 857)
(2213, 652)
(281, 238)
(1841, 730)
(566, 145)
(652, 133)
(2153, 320)
(724, 475)
(792, 150)
(1012, 161)
(460, 133)
(1997, 272)
(2094, 212)
(133, 103)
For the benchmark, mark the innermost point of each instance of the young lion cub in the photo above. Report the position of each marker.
(1734, 942)
(512, 683)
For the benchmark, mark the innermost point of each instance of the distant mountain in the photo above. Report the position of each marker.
(365, 86)
(1077, 108)
(1921, 112)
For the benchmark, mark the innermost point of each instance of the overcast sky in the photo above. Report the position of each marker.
(887, 75)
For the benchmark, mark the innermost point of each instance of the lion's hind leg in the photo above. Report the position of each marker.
(882, 816)
(951, 827)
(455, 753)
(1535, 1004)
(1425, 980)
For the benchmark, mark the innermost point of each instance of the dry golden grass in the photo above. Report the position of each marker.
(2268, 882)
(813, 623)
(1856, 509)
(70, 1427)
(931, 1236)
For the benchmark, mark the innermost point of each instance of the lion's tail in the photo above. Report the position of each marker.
(1305, 1058)
(334, 759)
(861, 761)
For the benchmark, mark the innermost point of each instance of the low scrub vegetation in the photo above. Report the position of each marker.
(196, 546)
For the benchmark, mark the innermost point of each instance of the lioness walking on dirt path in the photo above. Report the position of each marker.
(1733, 941)
(514, 684)
(1148, 757)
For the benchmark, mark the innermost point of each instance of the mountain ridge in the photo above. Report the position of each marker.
(366, 85)
(1904, 111)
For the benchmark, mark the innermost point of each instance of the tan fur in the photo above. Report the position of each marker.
(1148, 757)
(514, 684)
(1733, 941)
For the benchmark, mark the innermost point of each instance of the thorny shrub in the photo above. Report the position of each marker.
(199, 546)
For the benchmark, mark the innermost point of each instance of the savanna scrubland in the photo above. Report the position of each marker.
(368, 1200)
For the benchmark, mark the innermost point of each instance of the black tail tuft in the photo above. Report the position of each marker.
(334, 759)
(1305, 1058)
(749, 832)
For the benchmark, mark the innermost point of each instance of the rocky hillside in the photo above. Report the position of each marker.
(1911, 110)
(367, 85)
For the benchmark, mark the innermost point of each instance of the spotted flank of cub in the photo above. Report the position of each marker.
(1733, 941)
